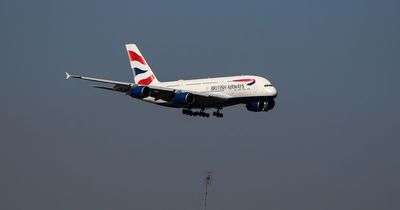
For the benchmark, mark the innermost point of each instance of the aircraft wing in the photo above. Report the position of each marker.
(157, 92)
(166, 94)
(117, 85)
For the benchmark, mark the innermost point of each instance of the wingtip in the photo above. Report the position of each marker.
(67, 76)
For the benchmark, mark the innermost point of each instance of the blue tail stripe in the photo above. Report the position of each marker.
(139, 71)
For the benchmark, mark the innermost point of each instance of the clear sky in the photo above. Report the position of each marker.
(332, 141)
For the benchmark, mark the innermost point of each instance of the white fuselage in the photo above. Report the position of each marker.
(240, 89)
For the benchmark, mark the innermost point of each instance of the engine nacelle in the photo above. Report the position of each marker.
(256, 106)
(183, 98)
(260, 106)
(270, 104)
(139, 92)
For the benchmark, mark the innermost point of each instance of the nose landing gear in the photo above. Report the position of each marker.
(218, 114)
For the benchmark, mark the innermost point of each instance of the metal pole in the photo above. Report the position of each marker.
(207, 182)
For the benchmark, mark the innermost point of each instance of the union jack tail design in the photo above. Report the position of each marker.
(142, 73)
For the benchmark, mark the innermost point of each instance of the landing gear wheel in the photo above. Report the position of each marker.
(187, 112)
(218, 114)
(200, 113)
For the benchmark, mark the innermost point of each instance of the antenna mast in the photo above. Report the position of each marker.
(207, 182)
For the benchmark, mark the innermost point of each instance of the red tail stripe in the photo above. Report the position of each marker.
(146, 81)
(135, 57)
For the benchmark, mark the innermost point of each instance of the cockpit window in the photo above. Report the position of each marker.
(268, 85)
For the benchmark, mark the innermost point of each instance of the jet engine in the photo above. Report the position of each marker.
(260, 106)
(139, 92)
(183, 98)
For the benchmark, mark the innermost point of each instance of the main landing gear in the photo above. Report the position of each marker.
(201, 113)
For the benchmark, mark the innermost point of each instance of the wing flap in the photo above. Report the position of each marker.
(118, 88)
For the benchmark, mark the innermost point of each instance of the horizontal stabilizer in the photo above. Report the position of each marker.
(102, 87)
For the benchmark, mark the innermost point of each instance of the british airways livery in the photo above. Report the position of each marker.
(257, 93)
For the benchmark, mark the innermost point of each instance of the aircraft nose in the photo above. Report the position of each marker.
(273, 91)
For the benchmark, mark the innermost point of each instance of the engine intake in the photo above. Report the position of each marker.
(260, 106)
(139, 92)
(183, 98)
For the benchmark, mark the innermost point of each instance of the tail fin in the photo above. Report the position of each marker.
(141, 70)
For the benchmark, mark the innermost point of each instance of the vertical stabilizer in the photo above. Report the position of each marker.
(142, 73)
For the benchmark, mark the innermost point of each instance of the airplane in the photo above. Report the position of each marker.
(257, 93)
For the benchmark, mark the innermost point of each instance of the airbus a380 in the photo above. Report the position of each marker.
(257, 93)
